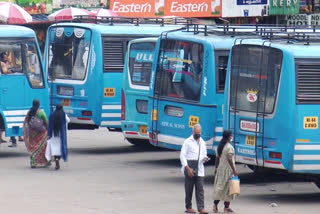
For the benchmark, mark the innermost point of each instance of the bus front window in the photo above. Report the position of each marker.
(140, 62)
(33, 66)
(179, 70)
(18, 58)
(68, 53)
(255, 73)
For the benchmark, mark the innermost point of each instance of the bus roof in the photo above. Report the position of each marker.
(218, 41)
(122, 29)
(15, 31)
(299, 49)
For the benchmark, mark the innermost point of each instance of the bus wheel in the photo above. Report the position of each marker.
(317, 182)
(139, 142)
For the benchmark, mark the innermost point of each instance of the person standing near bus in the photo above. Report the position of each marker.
(193, 155)
(57, 133)
(36, 141)
(224, 169)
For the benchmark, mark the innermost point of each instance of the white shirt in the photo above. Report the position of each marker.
(190, 151)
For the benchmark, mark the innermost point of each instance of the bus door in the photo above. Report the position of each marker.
(177, 92)
(255, 73)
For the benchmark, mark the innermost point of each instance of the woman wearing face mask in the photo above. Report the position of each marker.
(225, 168)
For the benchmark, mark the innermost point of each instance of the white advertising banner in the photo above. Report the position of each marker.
(304, 19)
(241, 8)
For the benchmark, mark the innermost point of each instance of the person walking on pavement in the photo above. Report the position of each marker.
(36, 141)
(224, 169)
(193, 155)
(57, 133)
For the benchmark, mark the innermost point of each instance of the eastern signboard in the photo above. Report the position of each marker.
(155, 8)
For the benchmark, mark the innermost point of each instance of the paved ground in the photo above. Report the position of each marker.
(107, 175)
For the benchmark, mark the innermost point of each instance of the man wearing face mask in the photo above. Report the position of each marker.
(193, 155)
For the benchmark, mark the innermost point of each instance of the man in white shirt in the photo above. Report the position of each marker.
(193, 155)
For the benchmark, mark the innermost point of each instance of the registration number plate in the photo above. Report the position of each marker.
(65, 102)
(250, 140)
(143, 130)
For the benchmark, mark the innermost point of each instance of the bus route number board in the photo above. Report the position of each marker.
(65, 102)
(193, 120)
(250, 140)
(310, 122)
(109, 92)
(143, 130)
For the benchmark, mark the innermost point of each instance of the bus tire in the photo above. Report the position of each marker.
(317, 182)
(139, 142)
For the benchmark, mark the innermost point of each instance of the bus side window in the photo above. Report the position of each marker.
(32, 67)
(222, 64)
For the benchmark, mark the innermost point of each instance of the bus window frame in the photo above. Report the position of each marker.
(158, 88)
(24, 41)
(131, 83)
(220, 53)
(63, 80)
(278, 84)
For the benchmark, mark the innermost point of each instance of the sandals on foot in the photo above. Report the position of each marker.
(215, 209)
(228, 210)
(190, 210)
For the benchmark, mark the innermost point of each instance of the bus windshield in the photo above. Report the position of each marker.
(255, 73)
(21, 57)
(68, 53)
(179, 70)
(140, 62)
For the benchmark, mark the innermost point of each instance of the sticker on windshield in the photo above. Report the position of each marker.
(252, 95)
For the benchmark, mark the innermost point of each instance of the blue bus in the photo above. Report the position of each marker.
(272, 102)
(187, 86)
(22, 77)
(85, 63)
(135, 90)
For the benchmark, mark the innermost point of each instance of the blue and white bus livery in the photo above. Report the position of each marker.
(135, 90)
(272, 102)
(21, 79)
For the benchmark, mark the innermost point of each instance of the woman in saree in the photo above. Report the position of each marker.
(36, 141)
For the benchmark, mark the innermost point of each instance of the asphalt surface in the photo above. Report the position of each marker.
(105, 174)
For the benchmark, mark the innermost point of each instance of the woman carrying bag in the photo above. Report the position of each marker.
(57, 133)
(224, 170)
(35, 135)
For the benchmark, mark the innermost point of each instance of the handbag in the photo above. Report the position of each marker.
(234, 186)
(193, 164)
(37, 124)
